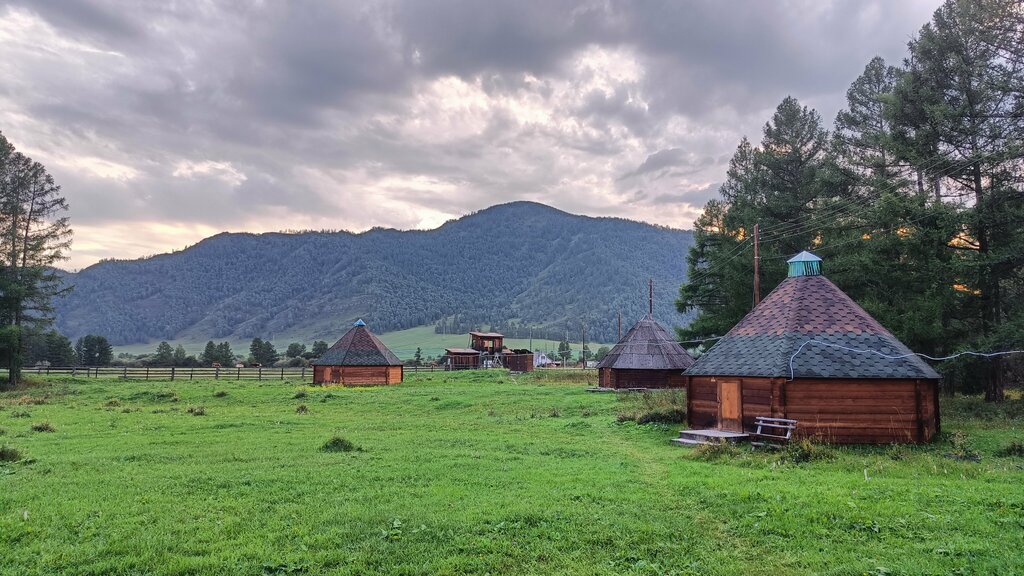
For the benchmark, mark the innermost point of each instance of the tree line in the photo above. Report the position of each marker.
(913, 199)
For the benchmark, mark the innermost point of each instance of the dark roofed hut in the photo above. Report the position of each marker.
(646, 357)
(795, 356)
(358, 359)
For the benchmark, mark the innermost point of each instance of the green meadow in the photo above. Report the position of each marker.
(478, 473)
(402, 342)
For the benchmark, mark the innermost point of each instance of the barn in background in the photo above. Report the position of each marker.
(809, 353)
(358, 359)
(646, 357)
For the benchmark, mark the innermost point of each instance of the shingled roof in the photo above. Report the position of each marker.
(647, 346)
(358, 347)
(802, 309)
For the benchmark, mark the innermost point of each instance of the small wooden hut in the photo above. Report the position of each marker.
(461, 358)
(646, 357)
(489, 342)
(358, 359)
(808, 352)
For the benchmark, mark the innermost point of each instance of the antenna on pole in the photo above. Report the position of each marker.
(757, 267)
(650, 297)
(583, 351)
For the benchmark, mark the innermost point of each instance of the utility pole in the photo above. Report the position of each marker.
(531, 338)
(620, 325)
(650, 297)
(583, 352)
(757, 267)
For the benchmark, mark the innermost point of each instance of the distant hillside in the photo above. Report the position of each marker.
(510, 267)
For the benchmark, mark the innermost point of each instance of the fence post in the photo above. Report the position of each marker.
(147, 372)
(73, 370)
(238, 375)
(216, 375)
(125, 376)
(172, 373)
(260, 375)
(191, 372)
(303, 377)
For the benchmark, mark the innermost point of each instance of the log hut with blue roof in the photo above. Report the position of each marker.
(808, 352)
(359, 358)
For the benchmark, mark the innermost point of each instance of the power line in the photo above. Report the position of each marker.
(896, 356)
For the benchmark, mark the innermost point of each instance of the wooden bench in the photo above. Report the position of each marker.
(772, 433)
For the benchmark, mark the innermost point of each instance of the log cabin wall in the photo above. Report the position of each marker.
(357, 375)
(840, 411)
(624, 378)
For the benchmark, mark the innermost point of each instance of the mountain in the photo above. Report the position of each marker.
(509, 267)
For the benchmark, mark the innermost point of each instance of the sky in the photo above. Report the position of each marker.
(168, 122)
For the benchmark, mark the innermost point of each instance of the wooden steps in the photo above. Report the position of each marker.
(709, 436)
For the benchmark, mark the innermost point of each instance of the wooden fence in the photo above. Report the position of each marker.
(304, 374)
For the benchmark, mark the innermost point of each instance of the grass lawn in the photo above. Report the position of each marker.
(473, 473)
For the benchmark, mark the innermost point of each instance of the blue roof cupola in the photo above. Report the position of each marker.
(359, 323)
(804, 264)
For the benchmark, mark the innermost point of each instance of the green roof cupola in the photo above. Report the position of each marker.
(804, 264)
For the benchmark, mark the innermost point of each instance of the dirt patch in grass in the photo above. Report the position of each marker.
(196, 410)
(1014, 448)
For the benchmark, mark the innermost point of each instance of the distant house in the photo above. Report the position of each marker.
(808, 352)
(646, 357)
(541, 360)
(358, 359)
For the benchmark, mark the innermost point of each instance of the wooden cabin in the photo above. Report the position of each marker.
(646, 357)
(808, 352)
(489, 342)
(519, 360)
(358, 359)
(461, 359)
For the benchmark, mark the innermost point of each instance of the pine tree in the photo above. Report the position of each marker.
(958, 115)
(164, 355)
(210, 354)
(319, 348)
(34, 235)
(181, 357)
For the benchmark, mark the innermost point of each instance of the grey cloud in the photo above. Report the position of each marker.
(283, 89)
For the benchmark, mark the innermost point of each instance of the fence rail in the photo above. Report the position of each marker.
(160, 373)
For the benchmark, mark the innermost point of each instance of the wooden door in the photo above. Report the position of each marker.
(730, 405)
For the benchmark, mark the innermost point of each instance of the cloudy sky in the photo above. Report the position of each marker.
(166, 122)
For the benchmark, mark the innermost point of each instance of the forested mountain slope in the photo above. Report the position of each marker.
(521, 264)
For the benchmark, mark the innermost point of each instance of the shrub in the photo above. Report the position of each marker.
(112, 403)
(1014, 448)
(220, 394)
(43, 427)
(805, 450)
(662, 406)
(555, 412)
(302, 409)
(9, 454)
(715, 451)
(196, 410)
(20, 414)
(339, 444)
(962, 447)
(299, 395)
